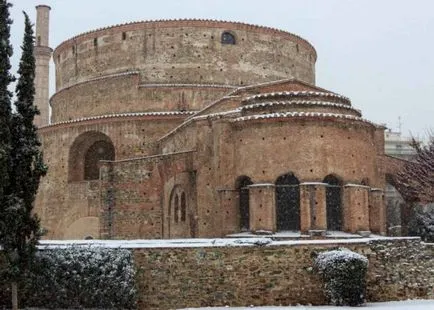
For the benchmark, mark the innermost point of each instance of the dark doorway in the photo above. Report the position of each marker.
(287, 202)
(100, 150)
(333, 202)
(243, 191)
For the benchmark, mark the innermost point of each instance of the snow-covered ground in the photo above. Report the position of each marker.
(391, 305)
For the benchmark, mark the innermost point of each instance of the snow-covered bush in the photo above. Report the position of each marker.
(343, 272)
(81, 277)
(422, 223)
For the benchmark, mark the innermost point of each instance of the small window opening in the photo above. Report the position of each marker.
(124, 36)
(39, 41)
(228, 38)
(95, 42)
(183, 208)
(176, 209)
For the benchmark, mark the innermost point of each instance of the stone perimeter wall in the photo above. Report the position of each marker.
(275, 274)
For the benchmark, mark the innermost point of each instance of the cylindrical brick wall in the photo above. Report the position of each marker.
(186, 51)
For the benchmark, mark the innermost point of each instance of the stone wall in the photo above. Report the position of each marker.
(279, 273)
(61, 199)
(124, 94)
(136, 194)
(186, 51)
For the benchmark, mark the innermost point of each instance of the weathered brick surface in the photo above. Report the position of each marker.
(123, 94)
(174, 68)
(274, 275)
(135, 196)
(60, 201)
(186, 52)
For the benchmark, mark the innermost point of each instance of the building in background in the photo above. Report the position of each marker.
(399, 146)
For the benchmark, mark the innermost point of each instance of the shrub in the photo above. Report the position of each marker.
(80, 277)
(343, 273)
(422, 223)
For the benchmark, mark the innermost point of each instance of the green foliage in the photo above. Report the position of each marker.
(5, 99)
(21, 165)
(343, 273)
(422, 223)
(78, 277)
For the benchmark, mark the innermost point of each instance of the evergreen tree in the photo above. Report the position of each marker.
(5, 100)
(19, 226)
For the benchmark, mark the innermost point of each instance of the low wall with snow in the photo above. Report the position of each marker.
(258, 271)
(264, 272)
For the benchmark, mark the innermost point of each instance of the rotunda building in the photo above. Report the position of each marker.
(202, 128)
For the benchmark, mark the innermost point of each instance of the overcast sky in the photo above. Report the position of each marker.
(378, 53)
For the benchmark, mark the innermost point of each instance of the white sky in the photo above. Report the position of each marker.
(378, 53)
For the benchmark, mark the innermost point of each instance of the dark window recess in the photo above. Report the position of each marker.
(333, 202)
(288, 202)
(243, 192)
(228, 38)
(183, 207)
(176, 209)
(95, 42)
(100, 150)
(124, 35)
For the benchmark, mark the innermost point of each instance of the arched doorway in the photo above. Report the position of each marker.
(287, 202)
(243, 202)
(85, 153)
(333, 202)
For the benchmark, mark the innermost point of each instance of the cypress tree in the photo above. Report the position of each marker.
(5, 100)
(19, 227)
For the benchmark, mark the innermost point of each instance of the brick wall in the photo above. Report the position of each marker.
(135, 197)
(186, 52)
(275, 275)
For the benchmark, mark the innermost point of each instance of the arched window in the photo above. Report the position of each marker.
(178, 204)
(100, 150)
(287, 202)
(243, 203)
(228, 38)
(176, 209)
(333, 202)
(183, 207)
(86, 152)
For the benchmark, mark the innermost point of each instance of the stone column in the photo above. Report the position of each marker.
(356, 208)
(262, 207)
(377, 211)
(42, 54)
(313, 214)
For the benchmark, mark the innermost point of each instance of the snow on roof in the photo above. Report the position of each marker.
(296, 93)
(217, 114)
(356, 185)
(300, 102)
(261, 184)
(301, 114)
(188, 85)
(313, 183)
(133, 114)
(203, 243)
